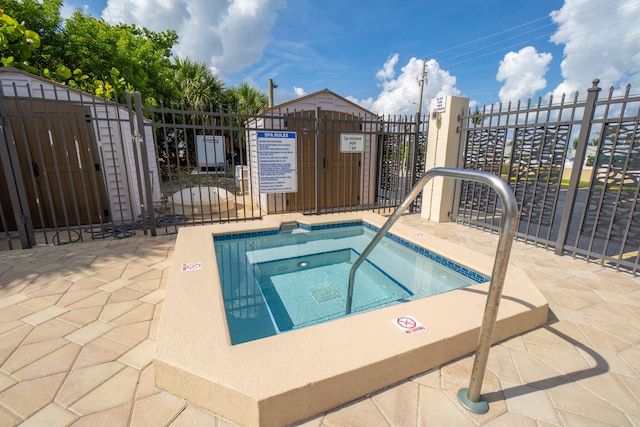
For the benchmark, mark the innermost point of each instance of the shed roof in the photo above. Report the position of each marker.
(12, 75)
(314, 98)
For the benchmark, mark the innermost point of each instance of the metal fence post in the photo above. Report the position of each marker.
(319, 163)
(413, 159)
(578, 162)
(136, 162)
(148, 208)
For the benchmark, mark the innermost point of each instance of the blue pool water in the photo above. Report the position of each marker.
(279, 280)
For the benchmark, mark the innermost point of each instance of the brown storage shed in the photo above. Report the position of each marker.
(327, 176)
(76, 154)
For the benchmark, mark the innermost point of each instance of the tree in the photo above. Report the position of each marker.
(199, 89)
(41, 17)
(17, 43)
(592, 142)
(197, 85)
(247, 99)
(20, 45)
(88, 53)
(476, 117)
(142, 57)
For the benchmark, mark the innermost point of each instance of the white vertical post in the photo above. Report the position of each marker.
(442, 151)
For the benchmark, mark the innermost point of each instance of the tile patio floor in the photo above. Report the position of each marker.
(78, 326)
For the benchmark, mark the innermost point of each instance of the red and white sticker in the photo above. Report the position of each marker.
(190, 266)
(408, 324)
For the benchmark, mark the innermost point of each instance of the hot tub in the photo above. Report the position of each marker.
(291, 376)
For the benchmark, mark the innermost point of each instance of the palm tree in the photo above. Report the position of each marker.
(199, 89)
(247, 99)
(198, 85)
(244, 100)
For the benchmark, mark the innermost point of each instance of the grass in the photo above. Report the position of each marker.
(582, 184)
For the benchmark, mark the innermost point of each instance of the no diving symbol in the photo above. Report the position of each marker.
(406, 322)
(191, 266)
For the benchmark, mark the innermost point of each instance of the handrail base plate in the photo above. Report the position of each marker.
(479, 407)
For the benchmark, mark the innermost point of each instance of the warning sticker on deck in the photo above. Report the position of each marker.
(408, 324)
(190, 266)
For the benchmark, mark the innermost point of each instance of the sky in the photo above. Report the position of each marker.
(372, 51)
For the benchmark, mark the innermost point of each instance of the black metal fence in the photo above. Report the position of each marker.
(68, 166)
(75, 167)
(574, 166)
(217, 158)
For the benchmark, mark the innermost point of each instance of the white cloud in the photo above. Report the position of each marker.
(67, 11)
(522, 73)
(282, 95)
(228, 34)
(388, 69)
(400, 95)
(600, 40)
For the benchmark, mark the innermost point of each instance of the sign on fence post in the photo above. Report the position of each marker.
(352, 142)
(277, 166)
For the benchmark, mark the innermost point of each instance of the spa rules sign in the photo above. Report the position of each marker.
(277, 171)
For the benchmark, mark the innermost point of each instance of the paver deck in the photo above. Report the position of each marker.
(78, 325)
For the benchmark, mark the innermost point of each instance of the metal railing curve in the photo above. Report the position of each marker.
(470, 397)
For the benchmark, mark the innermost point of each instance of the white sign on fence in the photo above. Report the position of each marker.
(277, 167)
(439, 107)
(352, 142)
(210, 150)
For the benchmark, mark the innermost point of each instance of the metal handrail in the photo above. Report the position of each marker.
(469, 397)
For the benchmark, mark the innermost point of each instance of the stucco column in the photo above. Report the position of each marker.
(442, 151)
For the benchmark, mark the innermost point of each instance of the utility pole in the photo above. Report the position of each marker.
(422, 82)
(413, 178)
(272, 86)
